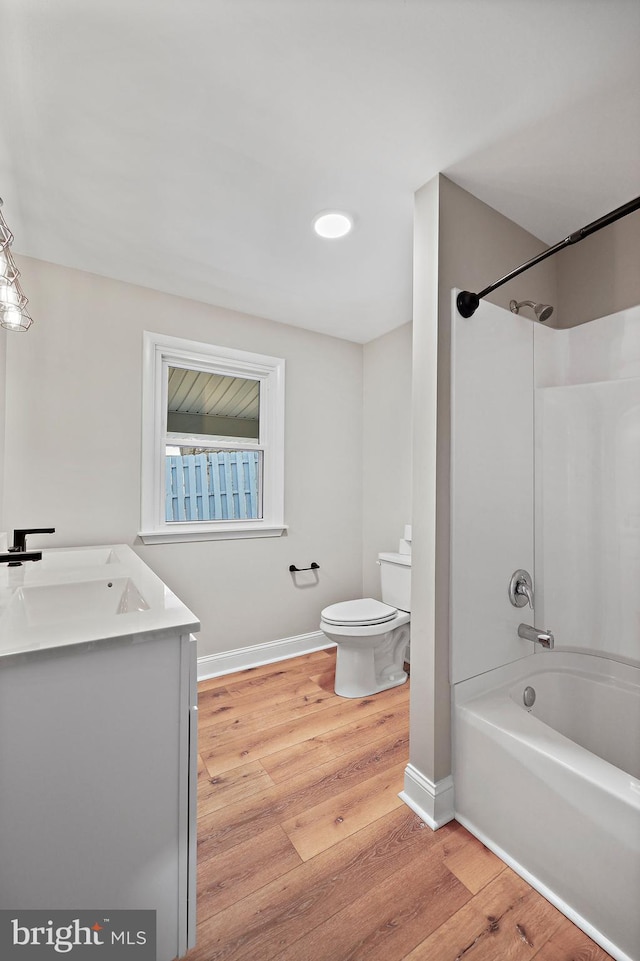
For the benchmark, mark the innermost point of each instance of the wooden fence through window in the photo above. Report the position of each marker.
(214, 485)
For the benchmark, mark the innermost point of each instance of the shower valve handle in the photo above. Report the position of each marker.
(521, 589)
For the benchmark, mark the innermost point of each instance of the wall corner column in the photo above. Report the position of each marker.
(428, 788)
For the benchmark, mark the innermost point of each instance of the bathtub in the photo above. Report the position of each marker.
(554, 789)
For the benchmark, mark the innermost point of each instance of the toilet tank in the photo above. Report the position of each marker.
(395, 579)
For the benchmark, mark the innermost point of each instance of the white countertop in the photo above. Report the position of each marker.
(80, 595)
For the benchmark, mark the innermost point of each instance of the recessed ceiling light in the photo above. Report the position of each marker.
(332, 224)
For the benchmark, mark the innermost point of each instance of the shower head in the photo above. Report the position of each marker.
(542, 311)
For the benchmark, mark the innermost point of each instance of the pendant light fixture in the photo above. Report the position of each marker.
(13, 302)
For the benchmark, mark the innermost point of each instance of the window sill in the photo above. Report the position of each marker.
(223, 533)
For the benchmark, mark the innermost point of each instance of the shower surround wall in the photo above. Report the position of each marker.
(562, 406)
(492, 493)
(588, 484)
(571, 821)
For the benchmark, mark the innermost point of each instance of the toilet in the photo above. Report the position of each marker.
(372, 636)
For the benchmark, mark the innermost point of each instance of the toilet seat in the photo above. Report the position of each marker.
(363, 612)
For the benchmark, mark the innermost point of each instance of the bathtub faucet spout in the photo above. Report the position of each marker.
(545, 638)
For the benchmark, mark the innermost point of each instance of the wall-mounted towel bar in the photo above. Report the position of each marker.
(296, 570)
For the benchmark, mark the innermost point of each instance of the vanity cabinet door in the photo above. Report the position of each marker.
(94, 780)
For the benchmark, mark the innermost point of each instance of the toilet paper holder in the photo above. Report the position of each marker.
(295, 570)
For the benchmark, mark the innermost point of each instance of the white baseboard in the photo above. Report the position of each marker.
(546, 892)
(228, 662)
(432, 802)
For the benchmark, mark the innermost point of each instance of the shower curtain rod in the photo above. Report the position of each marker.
(468, 303)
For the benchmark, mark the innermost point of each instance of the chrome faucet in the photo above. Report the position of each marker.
(545, 638)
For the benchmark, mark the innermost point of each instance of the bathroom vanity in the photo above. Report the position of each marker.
(98, 750)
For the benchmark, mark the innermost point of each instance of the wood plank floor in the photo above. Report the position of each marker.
(306, 853)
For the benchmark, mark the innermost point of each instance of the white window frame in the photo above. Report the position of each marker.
(161, 351)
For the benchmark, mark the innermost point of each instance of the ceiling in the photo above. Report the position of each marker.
(198, 392)
(186, 145)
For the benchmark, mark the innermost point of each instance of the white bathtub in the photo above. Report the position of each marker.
(555, 790)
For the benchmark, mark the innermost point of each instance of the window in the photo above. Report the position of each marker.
(212, 442)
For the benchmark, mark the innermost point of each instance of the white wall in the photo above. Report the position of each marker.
(386, 449)
(73, 450)
(3, 401)
(599, 276)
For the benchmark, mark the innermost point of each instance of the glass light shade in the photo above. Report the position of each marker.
(12, 295)
(8, 269)
(13, 315)
(332, 224)
(14, 318)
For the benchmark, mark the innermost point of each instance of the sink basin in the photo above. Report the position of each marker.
(86, 595)
(63, 560)
(44, 604)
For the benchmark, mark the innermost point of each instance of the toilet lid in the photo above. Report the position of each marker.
(361, 612)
